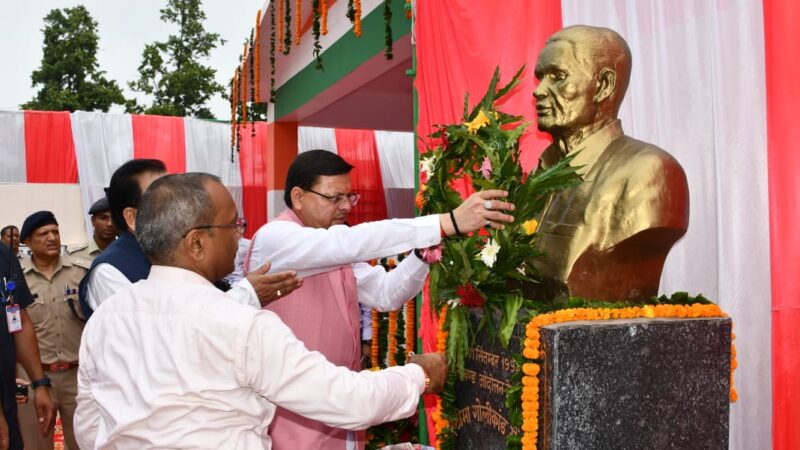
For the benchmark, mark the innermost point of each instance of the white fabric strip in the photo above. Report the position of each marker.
(396, 157)
(690, 96)
(103, 142)
(314, 138)
(208, 149)
(12, 147)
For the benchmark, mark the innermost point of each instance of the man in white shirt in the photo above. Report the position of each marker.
(311, 238)
(171, 363)
(123, 263)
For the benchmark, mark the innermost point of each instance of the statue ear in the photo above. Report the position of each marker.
(606, 84)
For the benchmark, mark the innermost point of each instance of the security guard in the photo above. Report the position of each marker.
(53, 280)
(104, 232)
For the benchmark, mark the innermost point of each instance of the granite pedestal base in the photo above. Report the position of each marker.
(623, 384)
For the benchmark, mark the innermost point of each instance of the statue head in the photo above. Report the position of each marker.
(583, 73)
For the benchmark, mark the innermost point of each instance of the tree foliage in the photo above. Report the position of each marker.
(171, 72)
(69, 75)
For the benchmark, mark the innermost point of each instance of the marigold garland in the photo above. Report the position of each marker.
(411, 320)
(251, 78)
(357, 18)
(280, 26)
(324, 17)
(440, 424)
(272, 54)
(376, 326)
(243, 93)
(533, 354)
(297, 17)
(257, 57)
(234, 99)
(408, 9)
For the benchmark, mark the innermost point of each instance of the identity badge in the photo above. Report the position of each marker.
(14, 318)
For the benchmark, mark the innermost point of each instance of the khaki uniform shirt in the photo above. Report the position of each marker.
(86, 252)
(57, 328)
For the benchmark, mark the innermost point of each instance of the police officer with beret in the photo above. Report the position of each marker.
(104, 232)
(53, 280)
(18, 343)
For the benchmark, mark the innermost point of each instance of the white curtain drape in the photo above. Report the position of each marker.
(697, 90)
(396, 157)
(208, 149)
(12, 147)
(103, 142)
(313, 138)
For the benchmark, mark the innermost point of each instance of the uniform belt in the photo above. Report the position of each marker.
(59, 366)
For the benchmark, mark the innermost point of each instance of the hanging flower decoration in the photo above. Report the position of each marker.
(324, 18)
(252, 66)
(387, 24)
(315, 6)
(298, 16)
(272, 53)
(287, 19)
(357, 17)
(280, 24)
(243, 74)
(257, 58)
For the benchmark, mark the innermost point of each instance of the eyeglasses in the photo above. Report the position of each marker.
(351, 197)
(240, 224)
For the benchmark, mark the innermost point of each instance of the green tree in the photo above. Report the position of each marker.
(69, 75)
(171, 72)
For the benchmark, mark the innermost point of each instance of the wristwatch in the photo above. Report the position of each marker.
(44, 381)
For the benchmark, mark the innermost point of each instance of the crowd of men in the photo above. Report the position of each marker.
(134, 343)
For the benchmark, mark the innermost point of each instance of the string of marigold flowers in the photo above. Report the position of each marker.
(532, 349)
(439, 422)
(280, 25)
(297, 25)
(324, 17)
(257, 57)
(357, 18)
(243, 94)
(392, 340)
(411, 321)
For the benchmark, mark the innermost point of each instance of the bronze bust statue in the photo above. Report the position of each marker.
(607, 238)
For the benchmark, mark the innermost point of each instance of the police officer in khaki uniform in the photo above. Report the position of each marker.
(53, 280)
(104, 232)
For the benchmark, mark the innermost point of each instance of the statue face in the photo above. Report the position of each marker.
(566, 87)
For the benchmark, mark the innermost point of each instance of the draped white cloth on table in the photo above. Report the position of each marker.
(693, 94)
(208, 147)
(12, 147)
(103, 142)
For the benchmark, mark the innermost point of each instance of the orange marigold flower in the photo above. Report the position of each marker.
(530, 369)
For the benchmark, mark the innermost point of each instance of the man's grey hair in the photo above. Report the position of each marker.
(596, 48)
(171, 207)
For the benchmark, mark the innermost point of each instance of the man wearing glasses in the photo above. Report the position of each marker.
(124, 263)
(311, 237)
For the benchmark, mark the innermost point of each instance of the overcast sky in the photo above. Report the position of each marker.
(124, 27)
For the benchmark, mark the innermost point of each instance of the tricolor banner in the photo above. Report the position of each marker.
(713, 83)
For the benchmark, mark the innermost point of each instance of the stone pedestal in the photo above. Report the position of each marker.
(622, 384)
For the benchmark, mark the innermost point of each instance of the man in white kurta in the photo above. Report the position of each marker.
(311, 237)
(172, 362)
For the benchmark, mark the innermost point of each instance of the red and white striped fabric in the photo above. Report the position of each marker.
(713, 83)
(59, 147)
